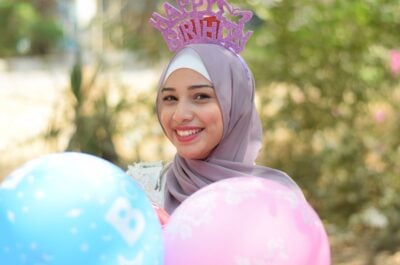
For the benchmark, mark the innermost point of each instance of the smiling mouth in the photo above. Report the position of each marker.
(186, 133)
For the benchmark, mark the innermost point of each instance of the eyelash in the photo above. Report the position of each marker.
(200, 96)
(169, 98)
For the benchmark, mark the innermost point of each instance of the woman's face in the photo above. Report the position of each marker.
(190, 114)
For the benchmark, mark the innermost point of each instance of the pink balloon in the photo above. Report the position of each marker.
(245, 221)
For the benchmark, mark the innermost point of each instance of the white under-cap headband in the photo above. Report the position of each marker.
(187, 58)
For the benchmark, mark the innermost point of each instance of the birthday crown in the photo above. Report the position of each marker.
(203, 21)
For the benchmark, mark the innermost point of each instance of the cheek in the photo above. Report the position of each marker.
(164, 117)
(214, 116)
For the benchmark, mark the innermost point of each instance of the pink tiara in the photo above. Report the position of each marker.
(203, 21)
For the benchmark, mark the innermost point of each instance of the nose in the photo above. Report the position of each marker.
(183, 112)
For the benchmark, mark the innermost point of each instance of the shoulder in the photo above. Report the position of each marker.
(148, 176)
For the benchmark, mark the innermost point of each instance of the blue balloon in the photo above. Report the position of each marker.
(74, 208)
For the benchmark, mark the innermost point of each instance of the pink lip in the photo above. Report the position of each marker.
(189, 138)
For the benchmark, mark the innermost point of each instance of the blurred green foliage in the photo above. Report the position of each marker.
(94, 116)
(102, 116)
(24, 30)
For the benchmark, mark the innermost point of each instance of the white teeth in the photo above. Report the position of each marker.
(187, 132)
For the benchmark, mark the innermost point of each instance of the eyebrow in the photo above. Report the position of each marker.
(164, 89)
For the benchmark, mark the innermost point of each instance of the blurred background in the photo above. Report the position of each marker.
(81, 75)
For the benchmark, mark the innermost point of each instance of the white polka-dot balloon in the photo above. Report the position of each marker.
(73, 208)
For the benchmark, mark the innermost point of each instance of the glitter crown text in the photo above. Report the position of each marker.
(203, 21)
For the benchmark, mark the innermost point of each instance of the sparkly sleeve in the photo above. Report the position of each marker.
(148, 176)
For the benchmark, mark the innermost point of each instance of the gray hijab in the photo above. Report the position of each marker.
(241, 141)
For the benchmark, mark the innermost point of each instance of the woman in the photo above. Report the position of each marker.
(205, 105)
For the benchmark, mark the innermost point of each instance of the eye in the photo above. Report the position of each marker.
(169, 98)
(202, 96)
